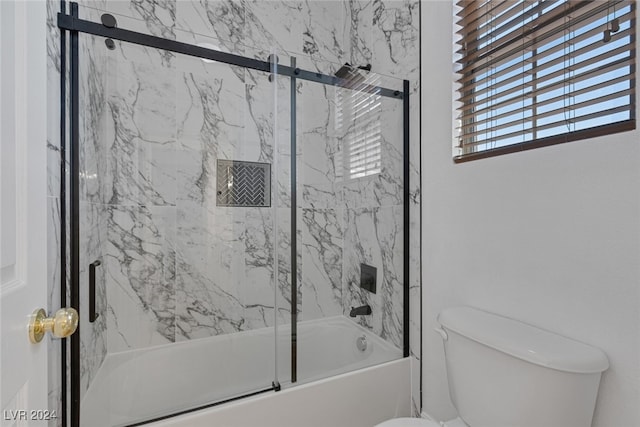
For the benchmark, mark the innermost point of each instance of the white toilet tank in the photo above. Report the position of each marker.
(504, 373)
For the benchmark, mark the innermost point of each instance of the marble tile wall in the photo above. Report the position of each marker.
(176, 266)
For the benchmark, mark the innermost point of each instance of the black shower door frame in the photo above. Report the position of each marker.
(72, 24)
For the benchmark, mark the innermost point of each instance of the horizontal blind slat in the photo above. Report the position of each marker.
(535, 70)
(550, 113)
(473, 80)
(618, 64)
(500, 31)
(499, 54)
(574, 120)
(471, 109)
(538, 104)
(497, 17)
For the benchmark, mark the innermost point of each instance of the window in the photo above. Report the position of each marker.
(537, 73)
(358, 115)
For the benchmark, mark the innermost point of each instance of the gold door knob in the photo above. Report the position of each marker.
(63, 324)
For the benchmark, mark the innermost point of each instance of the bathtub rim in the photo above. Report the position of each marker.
(337, 320)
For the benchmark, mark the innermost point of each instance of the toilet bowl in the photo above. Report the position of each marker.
(500, 369)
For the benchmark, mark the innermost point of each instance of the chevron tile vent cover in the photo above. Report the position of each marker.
(243, 183)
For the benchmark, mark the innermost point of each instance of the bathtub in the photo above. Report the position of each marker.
(144, 384)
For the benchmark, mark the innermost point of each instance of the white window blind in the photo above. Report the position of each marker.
(358, 114)
(537, 73)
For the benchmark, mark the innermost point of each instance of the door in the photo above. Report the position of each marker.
(23, 250)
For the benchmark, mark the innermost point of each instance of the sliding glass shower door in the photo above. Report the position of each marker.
(238, 219)
(178, 230)
(351, 223)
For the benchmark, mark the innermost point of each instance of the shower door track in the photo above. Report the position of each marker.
(75, 26)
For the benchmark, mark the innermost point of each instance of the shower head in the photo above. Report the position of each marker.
(352, 74)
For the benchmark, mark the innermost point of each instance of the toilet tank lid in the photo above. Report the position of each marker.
(524, 341)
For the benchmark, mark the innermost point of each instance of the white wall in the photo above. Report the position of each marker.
(549, 236)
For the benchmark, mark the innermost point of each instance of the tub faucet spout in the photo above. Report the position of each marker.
(360, 311)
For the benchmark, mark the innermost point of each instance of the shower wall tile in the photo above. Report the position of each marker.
(260, 28)
(321, 161)
(93, 119)
(146, 84)
(93, 345)
(284, 292)
(223, 19)
(322, 243)
(130, 325)
(360, 37)
(325, 34)
(258, 293)
(210, 258)
(259, 118)
(53, 101)
(210, 108)
(374, 237)
(93, 180)
(143, 122)
(395, 38)
(159, 16)
(141, 268)
(207, 301)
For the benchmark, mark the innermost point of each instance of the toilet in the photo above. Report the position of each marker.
(505, 373)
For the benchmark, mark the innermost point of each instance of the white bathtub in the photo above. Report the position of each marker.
(143, 384)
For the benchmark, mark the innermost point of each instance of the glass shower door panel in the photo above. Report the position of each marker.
(350, 178)
(176, 230)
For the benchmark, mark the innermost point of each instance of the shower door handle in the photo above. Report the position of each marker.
(92, 290)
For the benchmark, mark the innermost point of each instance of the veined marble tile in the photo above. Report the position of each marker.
(143, 114)
(142, 81)
(54, 267)
(196, 182)
(210, 108)
(258, 292)
(285, 257)
(207, 294)
(325, 32)
(140, 262)
(222, 19)
(262, 117)
(261, 292)
(93, 337)
(53, 100)
(395, 39)
(263, 32)
(129, 324)
(360, 41)
(321, 163)
(322, 242)
(374, 237)
(159, 16)
(93, 119)
(318, 109)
